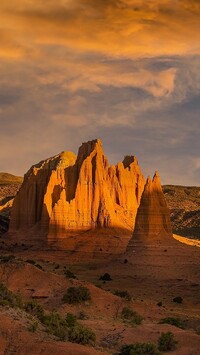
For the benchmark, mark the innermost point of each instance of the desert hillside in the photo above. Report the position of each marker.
(9, 185)
(6, 179)
(184, 204)
(150, 290)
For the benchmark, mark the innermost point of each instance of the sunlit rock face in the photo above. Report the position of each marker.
(153, 216)
(68, 193)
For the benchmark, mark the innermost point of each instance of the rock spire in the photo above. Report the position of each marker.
(153, 217)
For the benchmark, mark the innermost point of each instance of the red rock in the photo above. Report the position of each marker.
(153, 216)
(65, 194)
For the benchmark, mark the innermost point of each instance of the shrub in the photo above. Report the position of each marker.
(76, 295)
(81, 335)
(39, 266)
(8, 298)
(64, 328)
(159, 304)
(131, 316)
(70, 320)
(69, 274)
(123, 294)
(166, 342)
(82, 315)
(139, 349)
(6, 258)
(105, 277)
(32, 262)
(177, 322)
(35, 309)
(56, 325)
(33, 327)
(178, 299)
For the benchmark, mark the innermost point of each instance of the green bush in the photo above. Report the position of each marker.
(167, 342)
(70, 320)
(105, 277)
(81, 335)
(8, 298)
(139, 349)
(177, 322)
(64, 328)
(77, 295)
(35, 309)
(69, 274)
(56, 325)
(131, 316)
(123, 294)
(178, 299)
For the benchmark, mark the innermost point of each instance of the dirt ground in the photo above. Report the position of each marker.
(152, 274)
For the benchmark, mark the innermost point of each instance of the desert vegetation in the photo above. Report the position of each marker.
(176, 321)
(140, 349)
(167, 342)
(76, 295)
(178, 299)
(123, 294)
(131, 317)
(9, 298)
(65, 328)
(105, 277)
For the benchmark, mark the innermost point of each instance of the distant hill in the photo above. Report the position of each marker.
(184, 204)
(9, 185)
(6, 178)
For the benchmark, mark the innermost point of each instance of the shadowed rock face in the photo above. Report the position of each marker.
(153, 216)
(68, 193)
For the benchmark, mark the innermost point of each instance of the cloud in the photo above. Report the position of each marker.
(115, 28)
(126, 71)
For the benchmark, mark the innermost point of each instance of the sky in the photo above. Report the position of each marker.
(124, 71)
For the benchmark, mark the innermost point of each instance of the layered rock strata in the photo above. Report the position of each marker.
(68, 193)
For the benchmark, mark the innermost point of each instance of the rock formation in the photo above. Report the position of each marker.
(68, 193)
(153, 216)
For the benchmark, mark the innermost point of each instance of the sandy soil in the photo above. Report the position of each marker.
(151, 273)
(188, 241)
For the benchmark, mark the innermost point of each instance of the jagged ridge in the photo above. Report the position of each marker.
(68, 193)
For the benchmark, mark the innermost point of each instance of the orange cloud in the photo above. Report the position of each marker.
(119, 28)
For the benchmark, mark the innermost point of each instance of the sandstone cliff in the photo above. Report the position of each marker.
(68, 193)
(153, 216)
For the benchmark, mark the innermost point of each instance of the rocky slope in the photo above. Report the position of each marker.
(184, 205)
(66, 194)
(9, 185)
